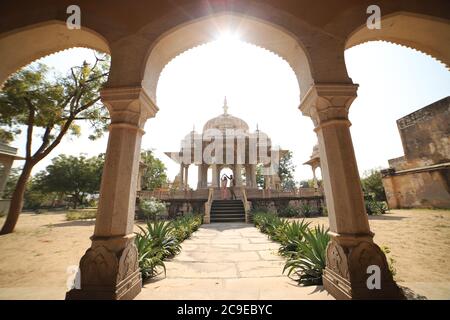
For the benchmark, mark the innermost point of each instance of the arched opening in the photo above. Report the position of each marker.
(248, 29)
(411, 30)
(20, 47)
(389, 122)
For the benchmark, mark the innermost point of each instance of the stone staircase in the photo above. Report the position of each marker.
(227, 211)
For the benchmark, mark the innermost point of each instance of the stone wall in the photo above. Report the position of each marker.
(425, 136)
(428, 189)
(421, 178)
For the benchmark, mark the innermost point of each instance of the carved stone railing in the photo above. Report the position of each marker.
(166, 194)
(277, 194)
(247, 206)
(208, 204)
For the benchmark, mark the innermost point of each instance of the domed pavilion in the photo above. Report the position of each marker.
(226, 142)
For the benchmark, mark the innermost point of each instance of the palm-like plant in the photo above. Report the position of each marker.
(149, 257)
(292, 236)
(161, 234)
(310, 258)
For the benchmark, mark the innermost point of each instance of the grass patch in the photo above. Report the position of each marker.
(82, 214)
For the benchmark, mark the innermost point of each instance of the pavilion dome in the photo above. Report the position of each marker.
(226, 121)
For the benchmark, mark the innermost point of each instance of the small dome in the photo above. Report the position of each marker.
(226, 121)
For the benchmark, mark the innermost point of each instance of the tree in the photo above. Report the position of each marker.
(286, 171)
(259, 176)
(51, 105)
(155, 172)
(372, 184)
(74, 176)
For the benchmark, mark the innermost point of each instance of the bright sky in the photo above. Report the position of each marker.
(262, 89)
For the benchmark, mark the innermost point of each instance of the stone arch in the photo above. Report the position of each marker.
(201, 31)
(25, 45)
(411, 30)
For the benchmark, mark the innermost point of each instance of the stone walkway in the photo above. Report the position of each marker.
(227, 261)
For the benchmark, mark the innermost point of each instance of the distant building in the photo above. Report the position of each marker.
(7, 156)
(421, 178)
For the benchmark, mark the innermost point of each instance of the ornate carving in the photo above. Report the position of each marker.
(128, 262)
(337, 260)
(98, 267)
(364, 255)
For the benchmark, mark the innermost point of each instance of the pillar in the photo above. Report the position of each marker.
(238, 174)
(200, 177)
(351, 250)
(253, 176)
(109, 269)
(315, 183)
(181, 176)
(186, 177)
(215, 176)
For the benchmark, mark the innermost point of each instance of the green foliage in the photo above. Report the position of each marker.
(391, 261)
(289, 211)
(375, 207)
(184, 226)
(292, 236)
(306, 210)
(74, 176)
(161, 232)
(152, 208)
(372, 185)
(155, 172)
(35, 197)
(259, 175)
(84, 214)
(49, 106)
(309, 261)
(304, 248)
(160, 240)
(149, 256)
(286, 171)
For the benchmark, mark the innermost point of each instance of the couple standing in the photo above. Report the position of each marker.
(224, 182)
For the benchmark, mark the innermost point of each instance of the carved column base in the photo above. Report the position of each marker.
(109, 270)
(346, 274)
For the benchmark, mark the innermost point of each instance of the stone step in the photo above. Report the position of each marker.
(233, 215)
(228, 220)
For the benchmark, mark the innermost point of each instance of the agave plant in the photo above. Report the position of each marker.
(292, 236)
(149, 257)
(161, 234)
(309, 261)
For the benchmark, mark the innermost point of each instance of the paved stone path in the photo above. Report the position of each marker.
(227, 261)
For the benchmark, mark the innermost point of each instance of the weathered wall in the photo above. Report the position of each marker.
(425, 136)
(418, 190)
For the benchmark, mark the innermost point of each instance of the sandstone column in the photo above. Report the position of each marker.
(109, 268)
(186, 177)
(238, 174)
(351, 250)
(181, 176)
(215, 176)
(200, 177)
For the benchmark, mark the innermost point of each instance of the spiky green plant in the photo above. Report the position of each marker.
(292, 235)
(310, 259)
(149, 257)
(161, 234)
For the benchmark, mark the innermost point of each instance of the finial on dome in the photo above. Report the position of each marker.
(225, 106)
(257, 127)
